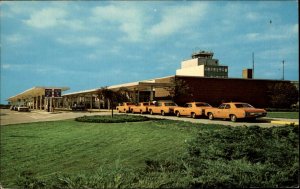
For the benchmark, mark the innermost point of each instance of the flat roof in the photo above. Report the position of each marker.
(34, 91)
(231, 78)
(139, 85)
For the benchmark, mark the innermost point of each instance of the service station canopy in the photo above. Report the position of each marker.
(33, 92)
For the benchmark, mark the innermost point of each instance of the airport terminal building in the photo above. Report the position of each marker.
(202, 77)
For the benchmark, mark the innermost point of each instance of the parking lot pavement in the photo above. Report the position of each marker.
(9, 117)
(13, 117)
(262, 122)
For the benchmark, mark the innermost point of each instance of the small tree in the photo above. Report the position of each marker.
(178, 88)
(283, 95)
(109, 95)
(122, 95)
(113, 97)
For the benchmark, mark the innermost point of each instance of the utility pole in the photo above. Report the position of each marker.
(252, 65)
(282, 69)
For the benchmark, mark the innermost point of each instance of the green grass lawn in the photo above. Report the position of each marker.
(149, 154)
(47, 148)
(288, 115)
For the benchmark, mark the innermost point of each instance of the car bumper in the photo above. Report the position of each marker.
(255, 115)
(23, 110)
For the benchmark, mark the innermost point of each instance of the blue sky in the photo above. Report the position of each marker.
(90, 44)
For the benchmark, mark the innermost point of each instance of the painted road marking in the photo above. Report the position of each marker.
(285, 122)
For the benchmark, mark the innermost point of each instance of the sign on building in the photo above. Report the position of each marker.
(48, 93)
(57, 92)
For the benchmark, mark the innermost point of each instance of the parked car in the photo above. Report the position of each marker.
(125, 107)
(13, 107)
(234, 111)
(193, 109)
(78, 107)
(141, 107)
(23, 108)
(163, 108)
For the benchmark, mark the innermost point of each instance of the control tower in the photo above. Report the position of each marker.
(202, 64)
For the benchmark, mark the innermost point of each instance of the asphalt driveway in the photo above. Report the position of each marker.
(13, 117)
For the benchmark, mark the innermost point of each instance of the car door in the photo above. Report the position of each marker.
(188, 109)
(219, 111)
(185, 109)
(226, 111)
(158, 108)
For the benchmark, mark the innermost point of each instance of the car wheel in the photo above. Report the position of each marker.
(210, 116)
(193, 115)
(178, 114)
(151, 112)
(163, 113)
(233, 118)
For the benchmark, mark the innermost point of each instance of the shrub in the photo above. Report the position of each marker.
(282, 95)
(282, 109)
(109, 119)
(245, 157)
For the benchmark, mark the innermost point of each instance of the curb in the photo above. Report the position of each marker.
(285, 122)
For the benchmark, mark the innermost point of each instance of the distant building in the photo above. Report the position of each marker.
(202, 64)
(247, 74)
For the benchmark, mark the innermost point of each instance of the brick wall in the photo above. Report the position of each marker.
(214, 90)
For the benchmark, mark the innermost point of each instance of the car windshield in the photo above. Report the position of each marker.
(244, 105)
(222, 106)
(202, 104)
(170, 104)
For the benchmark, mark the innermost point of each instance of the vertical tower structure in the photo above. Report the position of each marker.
(202, 64)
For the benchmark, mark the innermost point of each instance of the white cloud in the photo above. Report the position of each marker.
(74, 24)
(253, 16)
(278, 53)
(16, 67)
(10, 9)
(96, 54)
(128, 19)
(76, 40)
(54, 17)
(252, 36)
(175, 19)
(37, 69)
(295, 29)
(278, 33)
(15, 39)
(45, 18)
(140, 24)
(5, 66)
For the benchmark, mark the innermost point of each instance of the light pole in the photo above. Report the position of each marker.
(282, 69)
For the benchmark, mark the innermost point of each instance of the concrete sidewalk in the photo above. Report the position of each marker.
(9, 117)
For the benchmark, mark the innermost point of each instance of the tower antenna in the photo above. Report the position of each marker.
(252, 65)
(282, 69)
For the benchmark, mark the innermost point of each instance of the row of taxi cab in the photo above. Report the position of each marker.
(230, 110)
